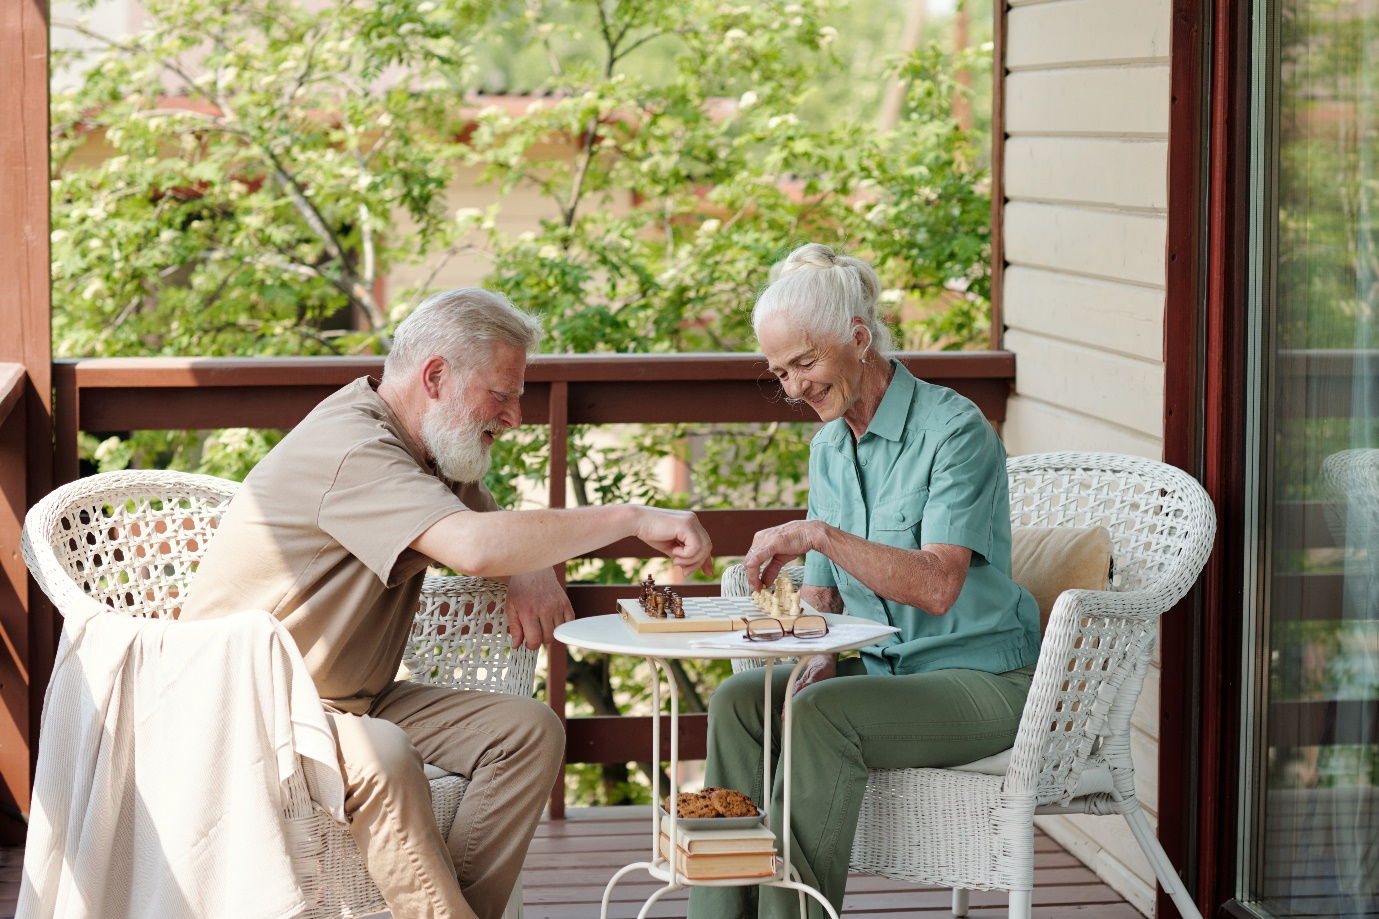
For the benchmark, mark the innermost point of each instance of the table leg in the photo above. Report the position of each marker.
(651, 900)
(766, 785)
(613, 882)
(658, 665)
(786, 745)
(655, 756)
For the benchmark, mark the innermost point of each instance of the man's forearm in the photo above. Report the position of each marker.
(914, 577)
(511, 542)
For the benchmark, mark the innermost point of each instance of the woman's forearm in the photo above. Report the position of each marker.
(929, 578)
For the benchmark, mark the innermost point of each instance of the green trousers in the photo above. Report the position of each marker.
(843, 727)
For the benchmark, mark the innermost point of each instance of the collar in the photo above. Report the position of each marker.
(368, 388)
(891, 414)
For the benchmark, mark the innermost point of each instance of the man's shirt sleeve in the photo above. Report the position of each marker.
(379, 502)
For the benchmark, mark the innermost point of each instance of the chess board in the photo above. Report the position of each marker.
(702, 614)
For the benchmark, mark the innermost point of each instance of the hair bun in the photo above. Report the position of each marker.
(811, 255)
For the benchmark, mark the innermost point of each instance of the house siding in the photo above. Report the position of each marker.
(1084, 228)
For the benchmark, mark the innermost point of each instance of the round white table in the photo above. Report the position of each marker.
(611, 635)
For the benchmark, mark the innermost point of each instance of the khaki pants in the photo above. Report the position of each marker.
(509, 748)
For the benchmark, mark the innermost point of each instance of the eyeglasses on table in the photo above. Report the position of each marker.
(771, 629)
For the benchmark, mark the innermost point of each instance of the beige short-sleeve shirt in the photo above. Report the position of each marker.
(318, 535)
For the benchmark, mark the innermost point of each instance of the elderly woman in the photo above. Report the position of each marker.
(908, 525)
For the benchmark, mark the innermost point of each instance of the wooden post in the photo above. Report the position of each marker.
(998, 159)
(556, 651)
(26, 622)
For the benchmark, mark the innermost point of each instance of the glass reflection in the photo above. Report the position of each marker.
(1319, 852)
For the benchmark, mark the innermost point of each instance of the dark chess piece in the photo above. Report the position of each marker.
(677, 606)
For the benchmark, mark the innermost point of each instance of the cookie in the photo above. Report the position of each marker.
(731, 803)
(695, 804)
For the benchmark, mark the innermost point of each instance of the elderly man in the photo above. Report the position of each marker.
(333, 531)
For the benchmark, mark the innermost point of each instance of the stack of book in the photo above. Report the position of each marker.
(703, 855)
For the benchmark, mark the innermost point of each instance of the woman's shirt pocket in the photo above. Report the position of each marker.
(895, 521)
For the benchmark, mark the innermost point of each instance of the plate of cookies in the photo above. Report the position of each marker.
(715, 808)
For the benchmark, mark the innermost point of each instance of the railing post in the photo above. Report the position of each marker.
(26, 620)
(557, 468)
(66, 424)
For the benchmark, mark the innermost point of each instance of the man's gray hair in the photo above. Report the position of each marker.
(460, 326)
(821, 292)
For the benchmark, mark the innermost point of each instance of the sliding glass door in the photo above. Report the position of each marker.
(1310, 840)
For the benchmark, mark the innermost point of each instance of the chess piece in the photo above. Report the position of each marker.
(658, 604)
(787, 598)
(677, 606)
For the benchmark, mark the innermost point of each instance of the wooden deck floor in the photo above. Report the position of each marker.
(570, 861)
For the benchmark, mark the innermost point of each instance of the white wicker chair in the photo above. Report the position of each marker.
(972, 827)
(129, 543)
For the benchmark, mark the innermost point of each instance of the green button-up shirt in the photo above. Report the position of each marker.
(928, 469)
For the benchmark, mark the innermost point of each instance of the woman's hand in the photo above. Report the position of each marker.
(774, 547)
(818, 668)
(823, 599)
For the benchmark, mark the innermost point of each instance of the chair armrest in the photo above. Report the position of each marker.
(1091, 669)
(460, 638)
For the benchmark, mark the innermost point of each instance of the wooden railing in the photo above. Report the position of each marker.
(15, 651)
(11, 389)
(128, 394)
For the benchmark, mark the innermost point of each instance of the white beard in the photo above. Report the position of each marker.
(455, 440)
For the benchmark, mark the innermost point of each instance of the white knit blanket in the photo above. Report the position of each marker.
(163, 750)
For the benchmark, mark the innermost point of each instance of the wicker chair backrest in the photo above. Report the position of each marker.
(130, 542)
(1092, 667)
(1148, 506)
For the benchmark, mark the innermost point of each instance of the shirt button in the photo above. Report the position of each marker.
(864, 462)
(900, 516)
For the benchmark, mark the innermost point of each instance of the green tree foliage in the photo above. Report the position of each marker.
(237, 177)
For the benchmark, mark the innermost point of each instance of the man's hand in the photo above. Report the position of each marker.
(774, 547)
(535, 606)
(818, 668)
(679, 535)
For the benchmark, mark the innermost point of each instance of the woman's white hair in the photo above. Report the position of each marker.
(460, 326)
(821, 292)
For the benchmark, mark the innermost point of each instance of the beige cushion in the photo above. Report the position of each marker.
(1049, 560)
